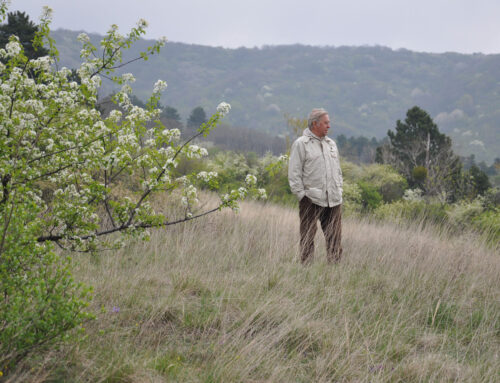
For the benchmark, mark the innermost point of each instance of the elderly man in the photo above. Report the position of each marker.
(315, 178)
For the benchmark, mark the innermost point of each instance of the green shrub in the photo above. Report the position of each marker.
(488, 223)
(370, 197)
(40, 301)
(388, 182)
(419, 174)
(351, 198)
(409, 211)
(351, 171)
(462, 213)
(492, 199)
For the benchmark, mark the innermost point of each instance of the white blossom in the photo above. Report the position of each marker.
(206, 176)
(83, 38)
(43, 63)
(171, 163)
(261, 193)
(126, 88)
(283, 158)
(13, 47)
(190, 196)
(142, 23)
(162, 41)
(413, 195)
(223, 108)
(251, 180)
(50, 144)
(165, 177)
(115, 116)
(150, 142)
(47, 13)
(143, 160)
(128, 77)
(183, 180)
(242, 192)
(159, 86)
(171, 135)
(194, 151)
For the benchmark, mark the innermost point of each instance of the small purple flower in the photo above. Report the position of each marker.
(376, 368)
(115, 309)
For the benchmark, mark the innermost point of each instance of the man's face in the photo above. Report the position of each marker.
(320, 128)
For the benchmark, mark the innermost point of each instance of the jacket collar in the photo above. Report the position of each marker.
(308, 133)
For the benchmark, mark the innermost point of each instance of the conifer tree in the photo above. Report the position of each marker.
(19, 24)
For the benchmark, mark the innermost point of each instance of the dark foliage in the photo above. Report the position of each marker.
(19, 24)
(423, 154)
(357, 149)
(247, 140)
(478, 182)
(170, 113)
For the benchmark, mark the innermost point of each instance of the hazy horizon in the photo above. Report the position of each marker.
(437, 26)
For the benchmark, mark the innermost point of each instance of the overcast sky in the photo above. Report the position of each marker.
(465, 26)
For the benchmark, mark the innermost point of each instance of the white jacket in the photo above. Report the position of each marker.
(314, 170)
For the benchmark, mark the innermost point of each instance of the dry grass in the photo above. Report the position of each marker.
(224, 299)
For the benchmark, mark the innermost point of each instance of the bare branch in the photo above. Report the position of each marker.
(53, 238)
(108, 210)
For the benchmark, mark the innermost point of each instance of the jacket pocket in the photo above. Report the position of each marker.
(333, 153)
(314, 193)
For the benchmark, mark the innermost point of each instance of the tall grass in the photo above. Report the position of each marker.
(224, 299)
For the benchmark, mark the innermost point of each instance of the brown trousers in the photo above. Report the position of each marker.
(331, 223)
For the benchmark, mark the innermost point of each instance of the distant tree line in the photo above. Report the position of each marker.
(417, 149)
(360, 150)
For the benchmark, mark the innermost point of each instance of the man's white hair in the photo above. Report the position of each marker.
(315, 115)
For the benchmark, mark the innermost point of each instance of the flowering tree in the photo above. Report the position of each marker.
(61, 165)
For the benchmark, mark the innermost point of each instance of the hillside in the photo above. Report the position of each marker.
(366, 88)
(224, 299)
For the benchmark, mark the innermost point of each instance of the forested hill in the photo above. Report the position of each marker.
(366, 88)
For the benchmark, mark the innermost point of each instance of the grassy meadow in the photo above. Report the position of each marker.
(224, 299)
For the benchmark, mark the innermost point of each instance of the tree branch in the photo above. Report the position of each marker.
(5, 182)
(6, 226)
(65, 150)
(53, 238)
(106, 200)
(149, 190)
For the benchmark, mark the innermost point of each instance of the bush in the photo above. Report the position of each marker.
(370, 197)
(40, 301)
(479, 215)
(351, 171)
(387, 181)
(351, 198)
(462, 213)
(419, 174)
(488, 223)
(492, 199)
(408, 211)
